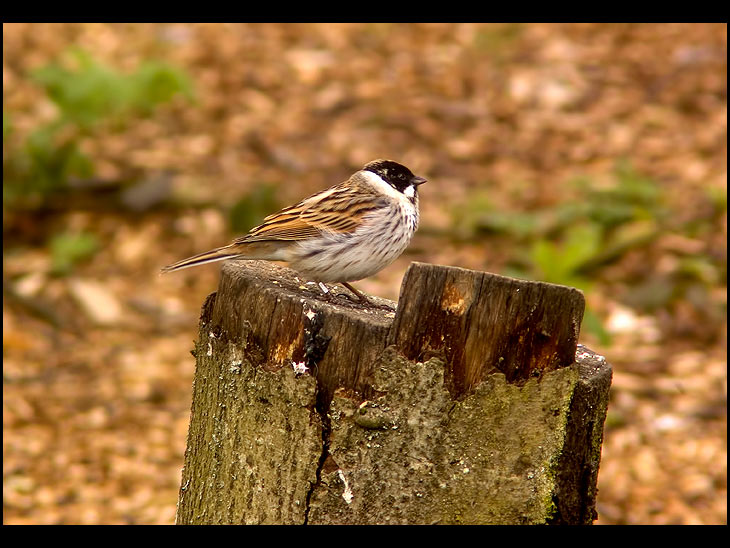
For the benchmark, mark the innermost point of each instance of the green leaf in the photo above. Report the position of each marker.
(155, 83)
(593, 324)
(559, 263)
(68, 249)
(583, 243)
(86, 93)
(90, 91)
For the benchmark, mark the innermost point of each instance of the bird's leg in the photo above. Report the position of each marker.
(328, 293)
(361, 296)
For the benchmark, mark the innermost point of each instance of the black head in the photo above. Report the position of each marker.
(396, 175)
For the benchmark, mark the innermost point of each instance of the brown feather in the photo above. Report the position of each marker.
(340, 209)
(361, 208)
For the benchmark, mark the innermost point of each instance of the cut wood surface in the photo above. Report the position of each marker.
(484, 323)
(459, 407)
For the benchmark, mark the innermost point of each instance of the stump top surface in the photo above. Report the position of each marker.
(281, 278)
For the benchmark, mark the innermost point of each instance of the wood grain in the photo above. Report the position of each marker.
(483, 323)
(464, 405)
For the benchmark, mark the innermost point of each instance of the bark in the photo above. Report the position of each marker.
(467, 405)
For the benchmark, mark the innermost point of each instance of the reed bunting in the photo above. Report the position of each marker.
(343, 234)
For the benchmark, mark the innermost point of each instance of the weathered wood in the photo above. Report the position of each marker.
(465, 406)
(483, 323)
(292, 322)
(575, 485)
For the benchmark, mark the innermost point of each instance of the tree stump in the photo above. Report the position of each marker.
(469, 404)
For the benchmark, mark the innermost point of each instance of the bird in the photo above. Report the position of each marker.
(343, 234)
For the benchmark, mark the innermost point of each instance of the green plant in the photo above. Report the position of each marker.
(250, 210)
(560, 262)
(86, 93)
(571, 241)
(92, 91)
(69, 248)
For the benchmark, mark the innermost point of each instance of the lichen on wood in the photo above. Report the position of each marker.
(489, 458)
(311, 408)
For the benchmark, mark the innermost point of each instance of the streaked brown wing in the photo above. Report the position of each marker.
(281, 227)
(339, 209)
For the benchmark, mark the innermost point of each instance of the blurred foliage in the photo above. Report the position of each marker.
(561, 262)
(70, 248)
(252, 208)
(86, 94)
(571, 238)
(94, 92)
(570, 242)
(496, 40)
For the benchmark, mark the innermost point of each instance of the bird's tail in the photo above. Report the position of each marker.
(218, 254)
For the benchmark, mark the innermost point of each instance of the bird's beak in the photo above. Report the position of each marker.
(417, 181)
